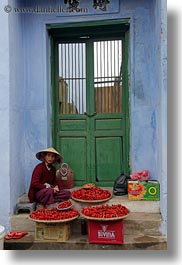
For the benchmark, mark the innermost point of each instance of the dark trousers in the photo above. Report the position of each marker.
(48, 196)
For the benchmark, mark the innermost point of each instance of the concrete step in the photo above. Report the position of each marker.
(133, 206)
(135, 223)
(144, 215)
(141, 229)
(21, 222)
(80, 242)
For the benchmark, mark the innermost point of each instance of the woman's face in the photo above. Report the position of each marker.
(50, 158)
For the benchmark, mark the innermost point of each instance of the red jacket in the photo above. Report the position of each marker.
(40, 176)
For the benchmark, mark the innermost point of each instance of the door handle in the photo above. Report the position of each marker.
(90, 115)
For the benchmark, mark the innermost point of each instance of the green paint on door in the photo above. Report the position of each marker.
(90, 100)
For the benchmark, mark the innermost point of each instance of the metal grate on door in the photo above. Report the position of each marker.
(108, 76)
(72, 78)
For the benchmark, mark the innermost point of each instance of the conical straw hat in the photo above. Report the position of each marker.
(40, 155)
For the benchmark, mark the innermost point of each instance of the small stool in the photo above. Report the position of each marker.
(25, 206)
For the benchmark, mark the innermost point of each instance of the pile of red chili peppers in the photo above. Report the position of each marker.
(92, 194)
(64, 205)
(52, 215)
(105, 211)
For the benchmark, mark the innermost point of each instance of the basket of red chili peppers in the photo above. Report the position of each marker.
(53, 215)
(105, 212)
(94, 194)
(62, 206)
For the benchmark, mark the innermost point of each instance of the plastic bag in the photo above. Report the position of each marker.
(121, 185)
(140, 175)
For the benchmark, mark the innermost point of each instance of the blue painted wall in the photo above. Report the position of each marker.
(4, 118)
(28, 118)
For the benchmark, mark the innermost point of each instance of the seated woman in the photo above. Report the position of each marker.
(44, 188)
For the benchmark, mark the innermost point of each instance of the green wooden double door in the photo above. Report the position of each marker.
(90, 100)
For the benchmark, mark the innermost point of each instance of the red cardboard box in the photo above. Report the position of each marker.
(106, 232)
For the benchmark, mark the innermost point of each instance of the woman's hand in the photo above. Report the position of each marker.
(56, 188)
(47, 185)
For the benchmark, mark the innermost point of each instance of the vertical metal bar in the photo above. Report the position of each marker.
(83, 47)
(79, 75)
(73, 80)
(98, 87)
(100, 78)
(108, 81)
(72, 75)
(117, 77)
(96, 54)
(60, 74)
(104, 72)
(65, 66)
(118, 83)
(63, 76)
(95, 76)
(69, 67)
(80, 79)
(95, 71)
(111, 72)
(61, 65)
(104, 45)
(75, 68)
(115, 72)
(69, 77)
(105, 85)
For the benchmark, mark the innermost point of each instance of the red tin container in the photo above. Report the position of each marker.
(106, 232)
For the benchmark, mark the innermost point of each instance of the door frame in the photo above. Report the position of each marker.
(56, 32)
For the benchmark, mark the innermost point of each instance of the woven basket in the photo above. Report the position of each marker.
(55, 221)
(104, 219)
(91, 201)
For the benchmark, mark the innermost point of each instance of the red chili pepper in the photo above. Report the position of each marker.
(105, 211)
(65, 204)
(95, 193)
(53, 214)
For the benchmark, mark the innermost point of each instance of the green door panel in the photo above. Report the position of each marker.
(74, 152)
(72, 125)
(108, 124)
(109, 158)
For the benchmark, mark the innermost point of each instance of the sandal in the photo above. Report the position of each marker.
(10, 235)
(15, 235)
(18, 235)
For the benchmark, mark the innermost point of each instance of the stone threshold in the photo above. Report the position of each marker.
(80, 242)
